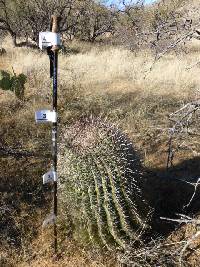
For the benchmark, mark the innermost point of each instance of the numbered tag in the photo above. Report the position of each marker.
(51, 219)
(42, 116)
(50, 176)
(47, 39)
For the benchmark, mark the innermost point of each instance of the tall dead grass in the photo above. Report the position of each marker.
(114, 69)
(115, 83)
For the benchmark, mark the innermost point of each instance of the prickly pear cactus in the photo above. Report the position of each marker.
(18, 83)
(15, 83)
(5, 80)
(99, 195)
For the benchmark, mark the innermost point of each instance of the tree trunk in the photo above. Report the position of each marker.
(14, 39)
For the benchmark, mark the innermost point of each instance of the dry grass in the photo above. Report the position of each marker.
(111, 82)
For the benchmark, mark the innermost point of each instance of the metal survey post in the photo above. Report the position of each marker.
(55, 49)
(51, 42)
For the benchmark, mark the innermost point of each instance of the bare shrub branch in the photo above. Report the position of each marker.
(183, 119)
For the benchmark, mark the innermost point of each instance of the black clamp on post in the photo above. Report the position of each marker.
(51, 58)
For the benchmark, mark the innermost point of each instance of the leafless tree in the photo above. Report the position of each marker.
(25, 19)
(86, 20)
(95, 20)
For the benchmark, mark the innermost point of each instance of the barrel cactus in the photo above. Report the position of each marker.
(99, 173)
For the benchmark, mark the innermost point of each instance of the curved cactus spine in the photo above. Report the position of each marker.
(99, 172)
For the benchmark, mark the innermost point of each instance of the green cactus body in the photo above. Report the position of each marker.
(101, 215)
(119, 201)
(83, 215)
(84, 203)
(99, 172)
(113, 220)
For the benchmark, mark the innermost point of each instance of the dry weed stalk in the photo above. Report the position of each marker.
(185, 125)
(162, 252)
(156, 253)
(187, 243)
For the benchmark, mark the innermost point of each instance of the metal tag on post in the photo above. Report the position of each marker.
(42, 116)
(47, 39)
(50, 176)
(51, 219)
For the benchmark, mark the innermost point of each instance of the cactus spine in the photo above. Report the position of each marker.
(99, 172)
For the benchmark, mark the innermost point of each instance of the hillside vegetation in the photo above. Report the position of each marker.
(102, 81)
(128, 104)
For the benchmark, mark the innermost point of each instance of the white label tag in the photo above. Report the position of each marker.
(51, 219)
(42, 116)
(47, 39)
(50, 176)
